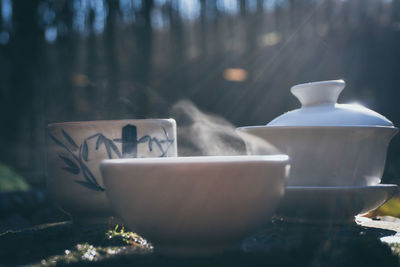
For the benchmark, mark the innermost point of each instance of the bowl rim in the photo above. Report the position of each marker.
(318, 127)
(275, 158)
(91, 122)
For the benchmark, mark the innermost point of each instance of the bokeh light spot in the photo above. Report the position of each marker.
(269, 39)
(235, 74)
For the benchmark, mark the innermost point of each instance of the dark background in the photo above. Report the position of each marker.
(107, 59)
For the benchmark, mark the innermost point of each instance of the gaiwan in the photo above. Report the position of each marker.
(329, 144)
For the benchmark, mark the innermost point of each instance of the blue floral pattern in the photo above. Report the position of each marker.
(79, 154)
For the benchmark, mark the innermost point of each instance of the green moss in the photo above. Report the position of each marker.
(11, 181)
(87, 253)
(129, 238)
(117, 242)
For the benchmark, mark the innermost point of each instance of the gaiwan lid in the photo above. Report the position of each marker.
(319, 108)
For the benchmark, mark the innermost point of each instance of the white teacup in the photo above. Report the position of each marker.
(75, 150)
(196, 205)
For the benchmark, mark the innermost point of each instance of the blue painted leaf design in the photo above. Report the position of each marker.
(90, 185)
(70, 140)
(88, 175)
(107, 144)
(58, 142)
(99, 141)
(85, 151)
(144, 139)
(159, 146)
(150, 144)
(69, 162)
(165, 132)
(168, 146)
(114, 148)
(94, 136)
(72, 170)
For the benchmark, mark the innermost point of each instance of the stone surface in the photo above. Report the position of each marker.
(365, 243)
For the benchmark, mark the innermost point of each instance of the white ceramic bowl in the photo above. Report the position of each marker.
(195, 204)
(75, 150)
(330, 156)
(329, 144)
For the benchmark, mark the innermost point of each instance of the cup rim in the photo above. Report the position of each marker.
(91, 122)
(274, 159)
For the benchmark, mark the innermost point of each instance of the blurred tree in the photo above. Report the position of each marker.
(81, 60)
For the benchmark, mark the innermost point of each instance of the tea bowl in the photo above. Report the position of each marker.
(74, 151)
(329, 144)
(330, 156)
(195, 205)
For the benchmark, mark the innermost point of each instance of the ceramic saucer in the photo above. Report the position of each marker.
(332, 204)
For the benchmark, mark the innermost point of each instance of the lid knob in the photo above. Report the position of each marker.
(316, 93)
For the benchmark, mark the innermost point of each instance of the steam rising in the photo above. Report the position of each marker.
(201, 134)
